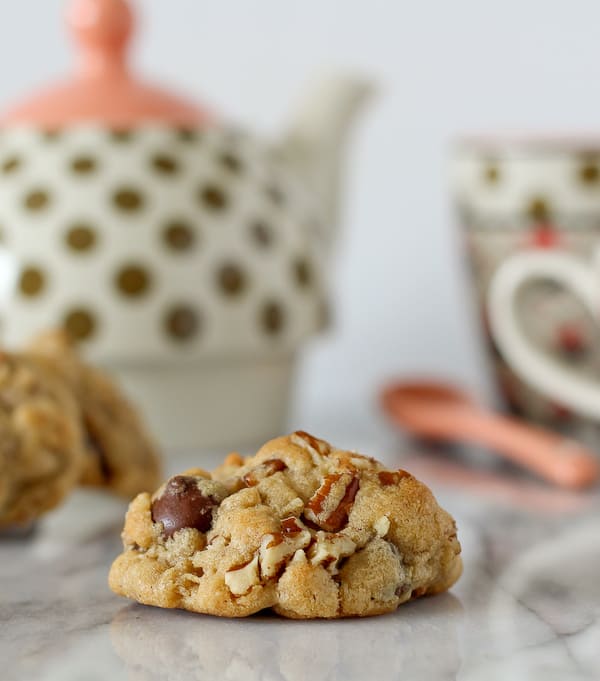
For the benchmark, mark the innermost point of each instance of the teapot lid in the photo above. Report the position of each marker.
(103, 90)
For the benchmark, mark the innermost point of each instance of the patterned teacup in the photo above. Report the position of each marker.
(580, 392)
(519, 196)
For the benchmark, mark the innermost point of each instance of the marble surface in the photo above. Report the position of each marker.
(527, 606)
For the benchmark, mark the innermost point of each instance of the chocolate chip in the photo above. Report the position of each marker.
(182, 504)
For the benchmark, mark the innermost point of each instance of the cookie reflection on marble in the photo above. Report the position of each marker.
(421, 637)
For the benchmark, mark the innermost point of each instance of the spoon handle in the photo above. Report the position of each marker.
(558, 459)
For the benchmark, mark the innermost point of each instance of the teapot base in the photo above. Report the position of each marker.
(219, 404)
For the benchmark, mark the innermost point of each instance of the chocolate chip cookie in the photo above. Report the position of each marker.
(41, 440)
(301, 527)
(120, 454)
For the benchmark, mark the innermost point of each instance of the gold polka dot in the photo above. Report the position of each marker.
(231, 162)
(11, 165)
(165, 164)
(133, 280)
(83, 165)
(187, 134)
(122, 135)
(231, 279)
(302, 272)
(589, 172)
(491, 173)
(178, 236)
(128, 199)
(32, 281)
(262, 234)
(181, 322)
(80, 324)
(51, 134)
(275, 194)
(272, 318)
(213, 197)
(36, 200)
(80, 238)
(538, 209)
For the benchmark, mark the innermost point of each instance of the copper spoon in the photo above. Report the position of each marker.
(440, 412)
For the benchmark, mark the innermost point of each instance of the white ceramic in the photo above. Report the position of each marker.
(186, 255)
(579, 391)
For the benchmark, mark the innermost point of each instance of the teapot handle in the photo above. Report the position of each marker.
(547, 375)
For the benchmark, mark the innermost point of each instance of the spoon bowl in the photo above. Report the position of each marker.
(441, 412)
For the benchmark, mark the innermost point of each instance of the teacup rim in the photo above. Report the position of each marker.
(510, 142)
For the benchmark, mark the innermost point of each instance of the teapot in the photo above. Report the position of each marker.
(186, 255)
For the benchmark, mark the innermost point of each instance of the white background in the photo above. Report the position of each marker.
(441, 68)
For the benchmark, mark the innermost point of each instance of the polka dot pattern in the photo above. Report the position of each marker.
(32, 281)
(122, 136)
(213, 197)
(262, 234)
(179, 237)
(538, 209)
(231, 162)
(165, 164)
(302, 272)
(81, 238)
(589, 172)
(37, 200)
(128, 199)
(83, 165)
(491, 173)
(275, 194)
(133, 281)
(51, 135)
(188, 135)
(80, 324)
(181, 322)
(271, 318)
(198, 246)
(231, 279)
(11, 165)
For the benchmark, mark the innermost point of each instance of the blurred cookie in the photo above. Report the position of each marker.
(301, 527)
(121, 453)
(41, 440)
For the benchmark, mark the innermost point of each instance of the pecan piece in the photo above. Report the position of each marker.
(330, 505)
(290, 526)
(277, 549)
(241, 579)
(392, 477)
(308, 441)
(262, 471)
(329, 549)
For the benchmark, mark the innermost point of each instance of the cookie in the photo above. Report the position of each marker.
(121, 454)
(41, 440)
(302, 528)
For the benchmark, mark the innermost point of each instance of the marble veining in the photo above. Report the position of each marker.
(527, 606)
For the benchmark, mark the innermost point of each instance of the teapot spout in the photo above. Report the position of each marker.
(315, 142)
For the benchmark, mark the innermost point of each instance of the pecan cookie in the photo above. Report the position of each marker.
(302, 528)
(41, 441)
(121, 455)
